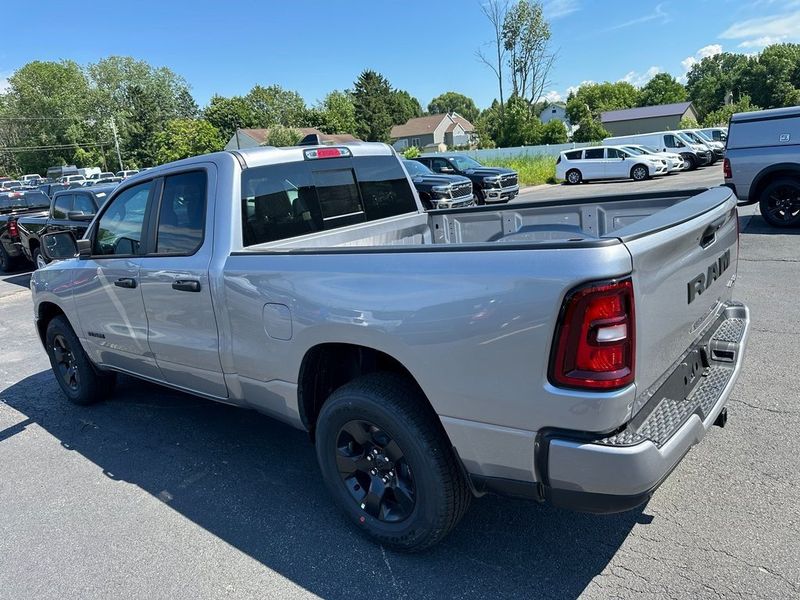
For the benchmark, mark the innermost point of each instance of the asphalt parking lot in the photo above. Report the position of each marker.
(160, 495)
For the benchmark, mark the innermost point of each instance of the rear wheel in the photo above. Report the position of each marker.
(780, 203)
(388, 464)
(6, 263)
(574, 176)
(639, 173)
(75, 374)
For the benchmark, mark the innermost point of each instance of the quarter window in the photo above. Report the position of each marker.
(62, 206)
(119, 231)
(574, 155)
(182, 214)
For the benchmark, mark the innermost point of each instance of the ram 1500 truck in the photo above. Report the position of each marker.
(439, 191)
(569, 352)
(69, 210)
(489, 184)
(13, 205)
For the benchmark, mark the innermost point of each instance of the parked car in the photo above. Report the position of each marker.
(489, 184)
(12, 206)
(694, 155)
(548, 350)
(30, 178)
(607, 162)
(674, 161)
(68, 210)
(55, 173)
(127, 173)
(11, 184)
(70, 179)
(100, 175)
(88, 172)
(52, 188)
(698, 137)
(439, 191)
(718, 134)
(762, 163)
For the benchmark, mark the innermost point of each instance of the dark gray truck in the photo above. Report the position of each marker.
(569, 352)
(13, 206)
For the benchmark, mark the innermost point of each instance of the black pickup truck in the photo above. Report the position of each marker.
(439, 191)
(12, 206)
(69, 210)
(489, 184)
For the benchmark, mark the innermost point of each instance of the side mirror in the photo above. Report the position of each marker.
(79, 215)
(447, 170)
(622, 157)
(59, 245)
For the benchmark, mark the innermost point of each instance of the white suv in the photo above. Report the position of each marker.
(607, 162)
(674, 161)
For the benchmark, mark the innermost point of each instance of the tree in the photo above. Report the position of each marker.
(335, 114)
(495, 11)
(663, 88)
(688, 123)
(722, 115)
(229, 114)
(590, 130)
(274, 105)
(404, 107)
(554, 132)
(593, 98)
(182, 138)
(280, 135)
(454, 102)
(375, 106)
(526, 39)
(714, 77)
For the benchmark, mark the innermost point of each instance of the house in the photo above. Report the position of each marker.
(646, 119)
(555, 111)
(252, 138)
(433, 131)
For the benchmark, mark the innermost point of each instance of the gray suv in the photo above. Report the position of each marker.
(762, 163)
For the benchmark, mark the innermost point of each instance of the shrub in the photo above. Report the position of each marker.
(411, 152)
(532, 170)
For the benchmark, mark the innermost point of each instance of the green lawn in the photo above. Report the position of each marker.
(533, 170)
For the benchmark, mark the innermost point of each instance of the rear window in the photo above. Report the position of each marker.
(594, 153)
(288, 200)
(574, 155)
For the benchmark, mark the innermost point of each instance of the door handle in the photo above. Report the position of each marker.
(186, 285)
(125, 282)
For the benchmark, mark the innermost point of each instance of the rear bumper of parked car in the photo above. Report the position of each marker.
(621, 470)
(501, 194)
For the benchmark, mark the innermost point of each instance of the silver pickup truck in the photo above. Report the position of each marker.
(569, 352)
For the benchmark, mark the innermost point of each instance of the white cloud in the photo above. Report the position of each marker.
(658, 14)
(775, 26)
(639, 79)
(574, 88)
(553, 96)
(709, 50)
(4, 84)
(762, 41)
(704, 52)
(556, 9)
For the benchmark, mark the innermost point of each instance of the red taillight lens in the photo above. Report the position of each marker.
(12, 229)
(595, 341)
(726, 169)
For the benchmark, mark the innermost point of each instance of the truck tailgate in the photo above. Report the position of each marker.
(684, 266)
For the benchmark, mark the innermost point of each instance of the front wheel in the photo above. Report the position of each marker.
(388, 463)
(38, 259)
(690, 163)
(780, 203)
(75, 374)
(479, 197)
(639, 173)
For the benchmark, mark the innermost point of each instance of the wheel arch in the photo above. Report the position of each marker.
(46, 312)
(769, 174)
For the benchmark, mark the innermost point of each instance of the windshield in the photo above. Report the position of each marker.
(692, 137)
(635, 150)
(704, 136)
(415, 168)
(465, 162)
(650, 150)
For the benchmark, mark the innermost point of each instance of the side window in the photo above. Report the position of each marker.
(574, 155)
(384, 188)
(338, 196)
(62, 206)
(119, 231)
(437, 164)
(615, 153)
(182, 213)
(594, 153)
(670, 141)
(84, 204)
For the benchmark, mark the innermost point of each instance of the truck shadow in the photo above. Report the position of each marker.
(756, 225)
(254, 483)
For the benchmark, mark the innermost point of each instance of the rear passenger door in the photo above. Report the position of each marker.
(182, 327)
(616, 164)
(594, 163)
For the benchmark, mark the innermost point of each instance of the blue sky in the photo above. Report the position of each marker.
(425, 47)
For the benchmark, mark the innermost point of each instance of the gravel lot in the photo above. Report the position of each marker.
(160, 495)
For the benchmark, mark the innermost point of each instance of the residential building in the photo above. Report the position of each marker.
(555, 111)
(433, 132)
(647, 119)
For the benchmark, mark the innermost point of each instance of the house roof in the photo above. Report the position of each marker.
(423, 125)
(262, 135)
(645, 112)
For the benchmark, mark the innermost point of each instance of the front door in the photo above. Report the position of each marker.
(108, 297)
(594, 163)
(182, 327)
(617, 164)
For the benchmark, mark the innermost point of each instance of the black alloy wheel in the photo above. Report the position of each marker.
(67, 366)
(780, 203)
(374, 470)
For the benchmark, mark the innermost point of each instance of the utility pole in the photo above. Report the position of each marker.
(116, 143)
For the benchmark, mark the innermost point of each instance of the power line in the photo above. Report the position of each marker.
(41, 119)
(52, 147)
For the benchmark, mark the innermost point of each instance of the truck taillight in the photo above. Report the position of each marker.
(595, 340)
(726, 169)
(13, 232)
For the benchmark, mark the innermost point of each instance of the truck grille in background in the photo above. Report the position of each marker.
(461, 189)
(508, 180)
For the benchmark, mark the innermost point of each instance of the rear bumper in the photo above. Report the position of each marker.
(606, 473)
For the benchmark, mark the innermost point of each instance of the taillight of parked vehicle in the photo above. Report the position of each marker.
(595, 340)
(726, 169)
(13, 232)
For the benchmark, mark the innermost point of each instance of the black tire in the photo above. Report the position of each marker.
(74, 372)
(426, 201)
(480, 197)
(780, 203)
(573, 177)
(6, 262)
(428, 471)
(640, 173)
(38, 259)
(691, 162)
